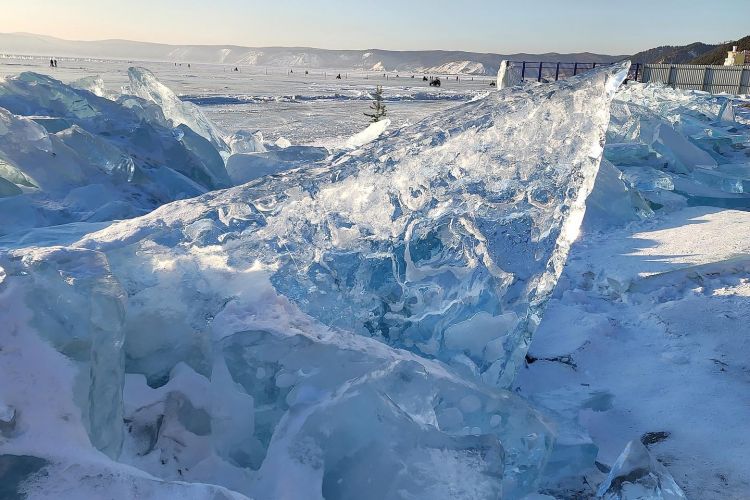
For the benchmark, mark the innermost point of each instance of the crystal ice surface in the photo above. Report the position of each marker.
(638, 476)
(443, 238)
(343, 330)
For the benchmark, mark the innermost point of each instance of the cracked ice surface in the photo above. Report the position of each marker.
(338, 331)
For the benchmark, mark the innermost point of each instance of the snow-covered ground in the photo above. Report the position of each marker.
(648, 333)
(306, 109)
(645, 336)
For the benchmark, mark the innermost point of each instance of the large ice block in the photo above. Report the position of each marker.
(459, 223)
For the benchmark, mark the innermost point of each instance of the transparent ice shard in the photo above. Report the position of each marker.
(613, 200)
(244, 167)
(686, 135)
(137, 127)
(508, 75)
(145, 85)
(8, 188)
(79, 307)
(99, 153)
(95, 85)
(638, 476)
(648, 179)
(59, 143)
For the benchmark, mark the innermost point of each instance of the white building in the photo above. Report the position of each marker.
(735, 58)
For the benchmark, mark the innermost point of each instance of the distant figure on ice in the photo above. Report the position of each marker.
(338, 77)
(435, 82)
(188, 65)
(307, 72)
(236, 68)
(51, 63)
(55, 61)
(424, 78)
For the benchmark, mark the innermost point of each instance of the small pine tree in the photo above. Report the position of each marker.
(377, 106)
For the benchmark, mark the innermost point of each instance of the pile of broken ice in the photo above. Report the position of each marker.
(349, 329)
(681, 147)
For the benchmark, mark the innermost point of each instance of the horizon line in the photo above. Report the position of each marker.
(27, 33)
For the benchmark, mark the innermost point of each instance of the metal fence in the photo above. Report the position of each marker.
(547, 71)
(714, 79)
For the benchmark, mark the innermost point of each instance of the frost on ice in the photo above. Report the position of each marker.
(339, 331)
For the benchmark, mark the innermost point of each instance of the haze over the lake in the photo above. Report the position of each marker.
(474, 25)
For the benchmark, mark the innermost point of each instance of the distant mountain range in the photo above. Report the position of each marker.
(675, 54)
(694, 53)
(419, 61)
(719, 53)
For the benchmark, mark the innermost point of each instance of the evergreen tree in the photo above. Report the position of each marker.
(377, 106)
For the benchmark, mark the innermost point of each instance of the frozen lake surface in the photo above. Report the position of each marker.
(305, 109)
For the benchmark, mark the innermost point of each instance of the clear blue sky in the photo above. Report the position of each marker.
(504, 26)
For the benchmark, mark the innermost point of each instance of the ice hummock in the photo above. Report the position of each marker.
(680, 147)
(74, 156)
(341, 330)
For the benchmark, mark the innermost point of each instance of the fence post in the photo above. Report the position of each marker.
(575, 69)
(539, 79)
(557, 72)
(523, 70)
(671, 77)
(739, 81)
(594, 66)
